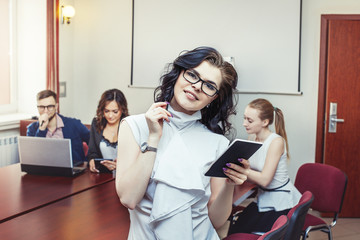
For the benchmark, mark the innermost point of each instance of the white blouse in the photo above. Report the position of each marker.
(175, 202)
(286, 195)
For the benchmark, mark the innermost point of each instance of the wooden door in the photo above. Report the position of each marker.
(339, 83)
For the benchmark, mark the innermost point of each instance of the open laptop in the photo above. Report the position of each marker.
(47, 156)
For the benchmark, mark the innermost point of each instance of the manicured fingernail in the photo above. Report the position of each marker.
(228, 164)
(224, 169)
(240, 159)
(167, 103)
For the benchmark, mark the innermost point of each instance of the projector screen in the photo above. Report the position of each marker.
(261, 36)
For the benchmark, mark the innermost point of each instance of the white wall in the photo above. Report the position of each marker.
(31, 52)
(66, 60)
(101, 45)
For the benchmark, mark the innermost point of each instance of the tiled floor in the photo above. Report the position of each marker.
(345, 229)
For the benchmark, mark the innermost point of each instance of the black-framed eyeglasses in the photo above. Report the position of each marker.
(49, 107)
(207, 87)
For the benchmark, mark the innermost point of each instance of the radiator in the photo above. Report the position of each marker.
(9, 153)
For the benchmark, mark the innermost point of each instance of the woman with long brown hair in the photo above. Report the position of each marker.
(111, 109)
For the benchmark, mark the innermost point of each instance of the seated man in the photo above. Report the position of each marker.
(53, 125)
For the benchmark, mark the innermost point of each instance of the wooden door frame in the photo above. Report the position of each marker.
(321, 114)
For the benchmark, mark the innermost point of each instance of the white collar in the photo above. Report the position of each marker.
(181, 120)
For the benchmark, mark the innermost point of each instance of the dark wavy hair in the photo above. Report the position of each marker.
(108, 96)
(215, 116)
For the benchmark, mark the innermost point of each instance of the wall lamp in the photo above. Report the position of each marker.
(67, 12)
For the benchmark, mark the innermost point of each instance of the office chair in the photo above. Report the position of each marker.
(277, 232)
(24, 124)
(328, 184)
(297, 216)
(85, 148)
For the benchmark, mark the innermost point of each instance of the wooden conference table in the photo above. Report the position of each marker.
(45, 207)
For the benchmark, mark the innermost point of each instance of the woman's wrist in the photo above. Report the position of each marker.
(153, 140)
(229, 187)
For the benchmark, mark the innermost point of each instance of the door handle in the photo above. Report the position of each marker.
(333, 118)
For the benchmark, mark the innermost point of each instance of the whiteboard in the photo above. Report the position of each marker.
(262, 36)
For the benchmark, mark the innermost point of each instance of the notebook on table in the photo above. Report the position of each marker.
(47, 156)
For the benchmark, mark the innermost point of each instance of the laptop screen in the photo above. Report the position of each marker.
(41, 151)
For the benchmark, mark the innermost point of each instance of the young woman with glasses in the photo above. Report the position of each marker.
(164, 153)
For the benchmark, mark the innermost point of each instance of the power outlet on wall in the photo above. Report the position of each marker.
(62, 90)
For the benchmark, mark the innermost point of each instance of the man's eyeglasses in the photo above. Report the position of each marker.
(49, 107)
(207, 87)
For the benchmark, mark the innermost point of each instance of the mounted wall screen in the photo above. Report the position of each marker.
(262, 36)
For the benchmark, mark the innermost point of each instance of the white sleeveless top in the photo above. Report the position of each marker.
(286, 195)
(175, 202)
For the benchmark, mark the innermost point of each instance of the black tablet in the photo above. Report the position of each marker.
(101, 167)
(239, 148)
